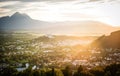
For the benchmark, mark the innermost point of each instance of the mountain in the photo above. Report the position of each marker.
(110, 41)
(20, 21)
(82, 28)
(20, 16)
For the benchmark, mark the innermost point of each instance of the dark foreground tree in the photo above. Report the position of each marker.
(97, 71)
(8, 71)
(67, 71)
(112, 70)
(79, 70)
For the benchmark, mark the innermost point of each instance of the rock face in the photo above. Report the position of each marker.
(111, 41)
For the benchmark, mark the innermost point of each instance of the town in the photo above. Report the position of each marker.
(21, 50)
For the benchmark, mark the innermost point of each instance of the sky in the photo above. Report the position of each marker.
(107, 11)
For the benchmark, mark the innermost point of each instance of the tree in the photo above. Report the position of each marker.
(36, 73)
(112, 70)
(67, 71)
(8, 71)
(79, 70)
(59, 72)
(97, 71)
(28, 72)
(86, 73)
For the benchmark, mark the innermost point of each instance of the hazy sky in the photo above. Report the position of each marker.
(107, 11)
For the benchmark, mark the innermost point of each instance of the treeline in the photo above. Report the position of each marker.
(110, 70)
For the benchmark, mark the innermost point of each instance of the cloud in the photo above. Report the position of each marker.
(94, 0)
(81, 1)
(4, 10)
(63, 9)
(37, 0)
(10, 7)
(14, 6)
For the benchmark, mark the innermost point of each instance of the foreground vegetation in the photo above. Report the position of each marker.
(111, 70)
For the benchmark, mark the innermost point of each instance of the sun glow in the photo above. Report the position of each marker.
(71, 11)
(104, 11)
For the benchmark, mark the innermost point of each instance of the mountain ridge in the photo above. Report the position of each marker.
(18, 15)
(19, 21)
(110, 41)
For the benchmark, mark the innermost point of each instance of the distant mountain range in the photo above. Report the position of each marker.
(20, 21)
(111, 41)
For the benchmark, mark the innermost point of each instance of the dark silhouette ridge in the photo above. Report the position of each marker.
(111, 41)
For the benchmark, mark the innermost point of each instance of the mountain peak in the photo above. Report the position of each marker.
(18, 15)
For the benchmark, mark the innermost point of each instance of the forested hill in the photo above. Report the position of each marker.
(110, 41)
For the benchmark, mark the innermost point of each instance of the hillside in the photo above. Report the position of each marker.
(111, 41)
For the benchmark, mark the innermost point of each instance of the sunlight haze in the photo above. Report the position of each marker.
(106, 11)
